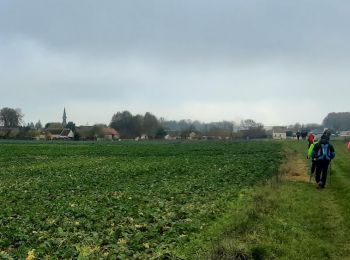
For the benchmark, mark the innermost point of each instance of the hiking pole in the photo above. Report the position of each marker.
(311, 175)
(330, 171)
(312, 170)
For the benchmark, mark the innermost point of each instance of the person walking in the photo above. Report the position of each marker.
(311, 139)
(313, 160)
(323, 153)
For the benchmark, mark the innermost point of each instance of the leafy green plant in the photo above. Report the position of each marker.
(122, 200)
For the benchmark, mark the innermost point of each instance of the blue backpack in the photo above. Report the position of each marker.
(324, 152)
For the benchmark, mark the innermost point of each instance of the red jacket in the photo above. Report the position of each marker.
(311, 138)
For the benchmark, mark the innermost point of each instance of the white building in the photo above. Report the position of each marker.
(344, 134)
(279, 133)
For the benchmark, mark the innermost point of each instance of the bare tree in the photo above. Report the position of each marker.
(10, 117)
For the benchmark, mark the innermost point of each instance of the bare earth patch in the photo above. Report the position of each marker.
(295, 169)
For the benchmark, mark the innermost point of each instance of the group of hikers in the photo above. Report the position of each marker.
(321, 153)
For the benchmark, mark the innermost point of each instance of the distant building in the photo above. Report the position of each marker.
(192, 136)
(344, 134)
(170, 137)
(64, 118)
(67, 134)
(279, 133)
(110, 133)
(58, 134)
(144, 137)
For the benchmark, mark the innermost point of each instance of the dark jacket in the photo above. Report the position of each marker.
(317, 152)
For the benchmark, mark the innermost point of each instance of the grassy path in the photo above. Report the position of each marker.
(293, 220)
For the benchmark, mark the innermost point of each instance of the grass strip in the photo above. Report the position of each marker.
(291, 220)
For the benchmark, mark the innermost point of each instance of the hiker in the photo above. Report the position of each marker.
(310, 139)
(313, 160)
(323, 153)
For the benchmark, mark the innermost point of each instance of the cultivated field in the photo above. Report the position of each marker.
(121, 200)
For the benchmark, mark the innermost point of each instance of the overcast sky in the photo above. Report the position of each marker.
(277, 62)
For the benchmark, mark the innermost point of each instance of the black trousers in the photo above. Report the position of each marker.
(321, 171)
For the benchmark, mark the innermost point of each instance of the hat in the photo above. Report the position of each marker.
(327, 132)
(325, 137)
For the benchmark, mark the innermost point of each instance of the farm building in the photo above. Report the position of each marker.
(279, 132)
(174, 135)
(59, 134)
(144, 137)
(110, 133)
(97, 132)
(42, 136)
(192, 136)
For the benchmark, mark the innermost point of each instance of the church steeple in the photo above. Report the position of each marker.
(64, 122)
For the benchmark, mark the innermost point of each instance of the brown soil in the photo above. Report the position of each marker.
(295, 169)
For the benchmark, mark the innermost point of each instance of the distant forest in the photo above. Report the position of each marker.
(337, 121)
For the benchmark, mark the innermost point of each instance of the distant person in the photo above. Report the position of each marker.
(323, 153)
(311, 139)
(303, 134)
(298, 135)
(313, 160)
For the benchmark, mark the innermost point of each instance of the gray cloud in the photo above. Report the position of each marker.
(196, 27)
(210, 60)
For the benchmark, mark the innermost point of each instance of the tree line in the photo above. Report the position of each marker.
(10, 117)
(131, 126)
(337, 121)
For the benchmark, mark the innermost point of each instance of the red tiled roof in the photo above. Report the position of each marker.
(110, 131)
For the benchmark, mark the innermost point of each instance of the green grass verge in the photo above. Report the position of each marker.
(291, 220)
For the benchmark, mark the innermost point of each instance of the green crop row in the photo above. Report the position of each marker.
(120, 200)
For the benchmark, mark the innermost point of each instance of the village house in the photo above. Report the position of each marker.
(172, 137)
(58, 134)
(42, 136)
(193, 136)
(142, 137)
(279, 133)
(110, 133)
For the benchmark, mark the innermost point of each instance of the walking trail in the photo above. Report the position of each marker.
(295, 169)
